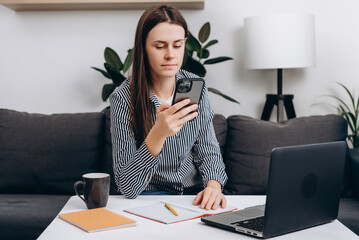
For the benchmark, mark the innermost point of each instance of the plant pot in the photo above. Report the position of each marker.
(354, 166)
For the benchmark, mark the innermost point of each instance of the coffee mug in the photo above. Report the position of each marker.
(96, 189)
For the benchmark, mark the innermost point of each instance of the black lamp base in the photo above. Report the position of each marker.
(281, 101)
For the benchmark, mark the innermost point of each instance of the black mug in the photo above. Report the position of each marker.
(96, 188)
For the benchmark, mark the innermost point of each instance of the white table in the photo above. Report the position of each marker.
(192, 229)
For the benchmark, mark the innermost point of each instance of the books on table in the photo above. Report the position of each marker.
(183, 206)
(98, 219)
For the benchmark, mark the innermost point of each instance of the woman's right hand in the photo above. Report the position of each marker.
(169, 120)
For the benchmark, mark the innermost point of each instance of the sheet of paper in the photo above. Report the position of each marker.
(184, 207)
(188, 203)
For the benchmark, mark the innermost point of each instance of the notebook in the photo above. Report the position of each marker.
(183, 206)
(98, 219)
(303, 191)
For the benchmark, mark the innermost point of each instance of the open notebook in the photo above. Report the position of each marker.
(183, 206)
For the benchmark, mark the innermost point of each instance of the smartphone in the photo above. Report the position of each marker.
(188, 88)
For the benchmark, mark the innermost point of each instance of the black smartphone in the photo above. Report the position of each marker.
(188, 88)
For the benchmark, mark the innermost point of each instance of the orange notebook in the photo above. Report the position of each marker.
(98, 219)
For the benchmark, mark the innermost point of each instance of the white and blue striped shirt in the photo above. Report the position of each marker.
(190, 158)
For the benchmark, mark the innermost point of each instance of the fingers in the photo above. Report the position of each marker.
(162, 107)
(180, 110)
(187, 118)
(177, 106)
(224, 202)
(185, 114)
(185, 111)
(198, 198)
(217, 201)
(211, 199)
(171, 120)
(205, 200)
(210, 202)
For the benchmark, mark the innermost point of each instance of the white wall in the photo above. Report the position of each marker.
(45, 57)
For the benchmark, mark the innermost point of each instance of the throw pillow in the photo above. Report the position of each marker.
(250, 142)
(47, 154)
(220, 129)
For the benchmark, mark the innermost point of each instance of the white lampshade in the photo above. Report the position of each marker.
(280, 41)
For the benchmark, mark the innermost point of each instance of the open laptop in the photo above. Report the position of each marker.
(303, 191)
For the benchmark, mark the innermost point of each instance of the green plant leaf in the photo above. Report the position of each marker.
(116, 76)
(210, 43)
(187, 53)
(215, 91)
(103, 72)
(194, 66)
(349, 93)
(106, 109)
(340, 101)
(353, 120)
(328, 104)
(107, 89)
(204, 32)
(347, 117)
(192, 44)
(217, 60)
(113, 59)
(128, 60)
(203, 54)
(350, 114)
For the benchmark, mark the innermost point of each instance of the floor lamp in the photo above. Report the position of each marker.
(279, 41)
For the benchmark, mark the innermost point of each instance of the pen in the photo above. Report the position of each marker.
(171, 209)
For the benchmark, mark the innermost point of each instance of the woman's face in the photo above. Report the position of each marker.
(165, 46)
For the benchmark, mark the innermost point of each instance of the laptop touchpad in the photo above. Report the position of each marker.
(251, 212)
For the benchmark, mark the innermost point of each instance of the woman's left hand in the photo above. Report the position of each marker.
(211, 197)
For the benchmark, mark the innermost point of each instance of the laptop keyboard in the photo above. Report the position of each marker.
(255, 224)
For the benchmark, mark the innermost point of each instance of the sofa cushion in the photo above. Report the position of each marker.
(48, 153)
(25, 216)
(250, 142)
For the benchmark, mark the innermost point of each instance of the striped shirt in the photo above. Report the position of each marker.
(190, 158)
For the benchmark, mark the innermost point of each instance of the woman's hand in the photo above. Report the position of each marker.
(169, 120)
(211, 197)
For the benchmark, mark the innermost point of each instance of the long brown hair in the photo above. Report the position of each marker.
(141, 110)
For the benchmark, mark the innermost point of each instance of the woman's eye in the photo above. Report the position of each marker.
(177, 46)
(160, 46)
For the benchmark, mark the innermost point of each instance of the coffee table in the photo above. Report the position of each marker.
(191, 229)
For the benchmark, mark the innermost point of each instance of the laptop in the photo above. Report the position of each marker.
(303, 191)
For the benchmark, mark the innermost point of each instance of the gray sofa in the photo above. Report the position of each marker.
(41, 156)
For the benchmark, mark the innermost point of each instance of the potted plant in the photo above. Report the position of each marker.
(116, 70)
(197, 50)
(350, 112)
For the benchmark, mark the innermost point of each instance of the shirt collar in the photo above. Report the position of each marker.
(154, 99)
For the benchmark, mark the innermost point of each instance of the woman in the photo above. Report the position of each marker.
(159, 148)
